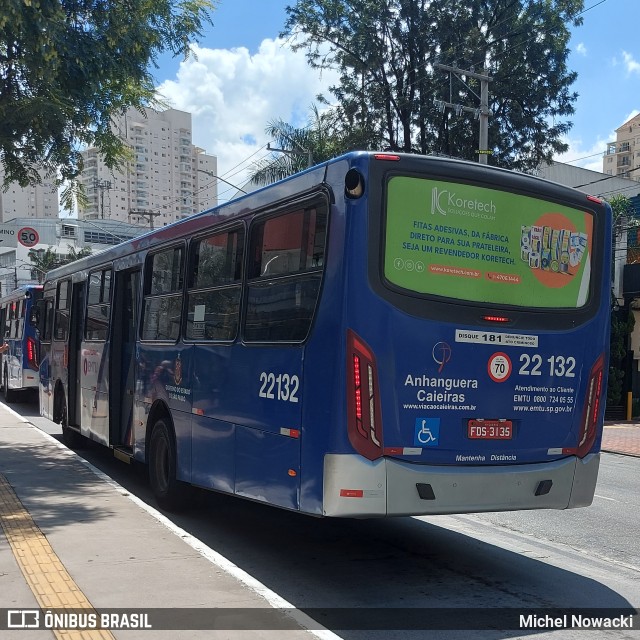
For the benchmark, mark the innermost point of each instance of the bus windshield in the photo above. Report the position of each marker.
(484, 245)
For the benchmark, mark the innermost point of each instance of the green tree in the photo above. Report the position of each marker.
(74, 255)
(622, 320)
(44, 260)
(622, 209)
(68, 66)
(622, 323)
(385, 51)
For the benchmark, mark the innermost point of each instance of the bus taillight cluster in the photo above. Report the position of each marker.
(591, 408)
(364, 423)
(32, 354)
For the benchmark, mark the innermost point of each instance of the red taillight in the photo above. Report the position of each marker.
(357, 388)
(388, 157)
(364, 424)
(591, 409)
(496, 319)
(32, 354)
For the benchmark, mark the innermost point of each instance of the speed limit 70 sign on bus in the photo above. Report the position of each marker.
(28, 237)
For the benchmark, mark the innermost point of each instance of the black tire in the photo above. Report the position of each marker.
(9, 394)
(170, 493)
(72, 438)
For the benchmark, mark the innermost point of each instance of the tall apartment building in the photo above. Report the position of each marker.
(168, 179)
(39, 201)
(622, 157)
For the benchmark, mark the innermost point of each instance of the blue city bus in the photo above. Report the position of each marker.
(380, 335)
(19, 363)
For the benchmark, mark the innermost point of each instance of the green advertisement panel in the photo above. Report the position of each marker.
(485, 245)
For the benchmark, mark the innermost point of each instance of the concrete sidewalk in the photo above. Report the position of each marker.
(77, 540)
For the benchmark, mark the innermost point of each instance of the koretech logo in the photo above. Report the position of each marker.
(444, 202)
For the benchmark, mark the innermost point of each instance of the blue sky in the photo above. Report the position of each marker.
(244, 76)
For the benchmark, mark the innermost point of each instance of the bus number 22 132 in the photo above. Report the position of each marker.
(279, 387)
(558, 366)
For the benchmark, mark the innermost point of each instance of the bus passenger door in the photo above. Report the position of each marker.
(3, 320)
(44, 331)
(123, 349)
(75, 352)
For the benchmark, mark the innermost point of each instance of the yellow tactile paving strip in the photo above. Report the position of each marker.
(45, 574)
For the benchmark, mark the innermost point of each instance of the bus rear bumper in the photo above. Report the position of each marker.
(355, 487)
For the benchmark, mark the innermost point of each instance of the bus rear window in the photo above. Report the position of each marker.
(484, 245)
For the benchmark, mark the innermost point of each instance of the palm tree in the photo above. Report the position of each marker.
(300, 148)
(43, 260)
(74, 255)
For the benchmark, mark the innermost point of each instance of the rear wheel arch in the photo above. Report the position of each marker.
(59, 402)
(161, 457)
(71, 437)
(9, 394)
(159, 411)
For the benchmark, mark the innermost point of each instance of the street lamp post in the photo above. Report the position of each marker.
(294, 152)
(213, 175)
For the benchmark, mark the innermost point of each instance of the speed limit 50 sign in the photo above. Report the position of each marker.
(28, 237)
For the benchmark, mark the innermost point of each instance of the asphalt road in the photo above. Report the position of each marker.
(524, 560)
(609, 529)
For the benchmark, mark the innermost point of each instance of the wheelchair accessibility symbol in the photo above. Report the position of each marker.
(427, 432)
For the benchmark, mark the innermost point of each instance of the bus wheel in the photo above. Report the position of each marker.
(70, 437)
(9, 394)
(169, 493)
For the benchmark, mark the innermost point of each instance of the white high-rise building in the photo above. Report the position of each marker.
(39, 201)
(168, 178)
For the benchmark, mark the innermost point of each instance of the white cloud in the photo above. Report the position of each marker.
(632, 114)
(232, 95)
(587, 158)
(630, 63)
(581, 49)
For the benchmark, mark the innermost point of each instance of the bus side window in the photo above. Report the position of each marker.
(98, 305)
(61, 318)
(46, 320)
(285, 271)
(215, 287)
(20, 319)
(13, 319)
(3, 320)
(162, 306)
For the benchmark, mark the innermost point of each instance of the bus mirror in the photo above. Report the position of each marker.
(353, 184)
(36, 318)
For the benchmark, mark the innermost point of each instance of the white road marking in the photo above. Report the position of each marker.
(595, 495)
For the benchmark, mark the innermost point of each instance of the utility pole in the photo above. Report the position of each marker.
(102, 186)
(144, 213)
(482, 114)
